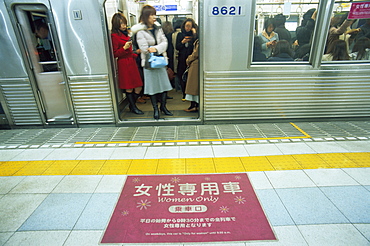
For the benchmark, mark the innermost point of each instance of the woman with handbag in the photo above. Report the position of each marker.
(151, 40)
(128, 73)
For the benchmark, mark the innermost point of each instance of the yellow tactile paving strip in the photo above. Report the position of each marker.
(185, 166)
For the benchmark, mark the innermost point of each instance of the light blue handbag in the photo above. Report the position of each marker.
(157, 61)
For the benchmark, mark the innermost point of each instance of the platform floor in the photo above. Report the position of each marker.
(60, 186)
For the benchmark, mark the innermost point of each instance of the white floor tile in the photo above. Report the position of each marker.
(295, 148)
(162, 153)
(364, 229)
(229, 151)
(325, 147)
(128, 153)
(259, 180)
(111, 184)
(7, 155)
(95, 154)
(32, 155)
(83, 238)
(8, 183)
(64, 154)
(262, 149)
(334, 234)
(37, 184)
(16, 208)
(287, 235)
(356, 146)
(78, 184)
(37, 238)
(4, 236)
(330, 177)
(196, 152)
(361, 175)
(289, 179)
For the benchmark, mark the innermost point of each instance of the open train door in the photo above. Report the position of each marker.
(41, 51)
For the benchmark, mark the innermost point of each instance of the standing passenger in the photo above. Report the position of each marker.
(184, 44)
(128, 73)
(337, 51)
(151, 39)
(168, 31)
(192, 83)
(268, 37)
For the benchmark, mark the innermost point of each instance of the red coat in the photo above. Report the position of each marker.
(128, 72)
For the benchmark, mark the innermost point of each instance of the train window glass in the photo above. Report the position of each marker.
(284, 30)
(349, 32)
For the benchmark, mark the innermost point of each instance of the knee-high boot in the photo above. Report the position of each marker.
(132, 103)
(163, 104)
(153, 99)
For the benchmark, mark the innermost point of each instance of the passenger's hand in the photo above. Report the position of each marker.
(353, 31)
(127, 45)
(152, 49)
(138, 51)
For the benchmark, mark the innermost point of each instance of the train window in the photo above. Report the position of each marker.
(284, 30)
(349, 32)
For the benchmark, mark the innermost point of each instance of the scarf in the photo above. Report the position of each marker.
(272, 34)
(125, 32)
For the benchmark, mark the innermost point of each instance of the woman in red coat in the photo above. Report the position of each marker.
(128, 72)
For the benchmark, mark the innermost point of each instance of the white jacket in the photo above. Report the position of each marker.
(145, 39)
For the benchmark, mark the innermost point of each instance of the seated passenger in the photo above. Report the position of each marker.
(282, 52)
(302, 53)
(280, 29)
(268, 37)
(257, 52)
(361, 49)
(337, 51)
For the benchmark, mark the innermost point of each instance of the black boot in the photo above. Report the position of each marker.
(131, 97)
(153, 99)
(163, 104)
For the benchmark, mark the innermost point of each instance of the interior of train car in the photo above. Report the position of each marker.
(259, 60)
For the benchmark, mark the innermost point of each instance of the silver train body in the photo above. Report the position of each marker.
(81, 90)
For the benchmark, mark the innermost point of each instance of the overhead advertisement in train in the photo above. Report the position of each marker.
(187, 208)
(359, 10)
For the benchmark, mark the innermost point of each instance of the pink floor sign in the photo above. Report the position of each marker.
(187, 208)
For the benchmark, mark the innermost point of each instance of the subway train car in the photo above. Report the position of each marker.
(68, 78)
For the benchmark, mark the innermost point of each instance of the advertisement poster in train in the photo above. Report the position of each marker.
(359, 10)
(187, 208)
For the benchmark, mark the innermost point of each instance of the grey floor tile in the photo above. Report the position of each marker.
(356, 146)
(262, 149)
(32, 155)
(162, 152)
(128, 153)
(310, 206)
(57, 212)
(196, 152)
(364, 230)
(37, 184)
(4, 236)
(7, 155)
(83, 238)
(8, 183)
(289, 179)
(111, 184)
(326, 147)
(96, 154)
(16, 208)
(334, 234)
(274, 208)
(97, 213)
(259, 180)
(361, 175)
(330, 177)
(78, 184)
(64, 154)
(37, 238)
(295, 148)
(352, 201)
(287, 235)
(229, 151)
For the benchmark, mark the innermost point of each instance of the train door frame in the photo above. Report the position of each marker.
(19, 15)
(112, 69)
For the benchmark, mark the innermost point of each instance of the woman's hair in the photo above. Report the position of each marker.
(283, 46)
(338, 49)
(268, 22)
(147, 11)
(193, 24)
(117, 19)
(167, 27)
(360, 47)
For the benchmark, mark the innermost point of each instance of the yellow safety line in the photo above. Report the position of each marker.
(203, 140)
